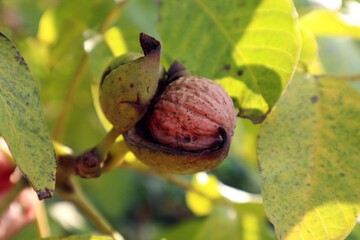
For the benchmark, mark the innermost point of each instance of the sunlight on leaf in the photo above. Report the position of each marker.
(21, 121)
(309, 159)
(250, 47)
(329, 23)
(208, 184)
(47, 29)
(114, 38)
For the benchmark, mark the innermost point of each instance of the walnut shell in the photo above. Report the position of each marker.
(190, 111)
(188, 130)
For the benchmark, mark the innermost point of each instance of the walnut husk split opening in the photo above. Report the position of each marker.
(179, 161)
(131, 87)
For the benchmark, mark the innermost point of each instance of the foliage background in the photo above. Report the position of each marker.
(52, 36)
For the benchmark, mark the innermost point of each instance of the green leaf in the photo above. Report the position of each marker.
(78, 237)
(309, 159)
(329, 23)
(250, 47)
(21, 121)
(355, 234)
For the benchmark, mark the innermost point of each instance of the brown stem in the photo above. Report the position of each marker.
(89, 163)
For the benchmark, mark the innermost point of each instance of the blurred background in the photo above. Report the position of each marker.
(54, 35)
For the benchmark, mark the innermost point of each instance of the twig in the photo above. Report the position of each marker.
(176, 181)
(42, 223)
(106, 143)
(112, 16)
(59, 126)
(230, 195)
(116, 156)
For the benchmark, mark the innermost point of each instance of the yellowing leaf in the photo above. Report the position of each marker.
(250, 47)
(329, 23)
(208, 184)
(22, 123)
(115, 40)
(309, 159)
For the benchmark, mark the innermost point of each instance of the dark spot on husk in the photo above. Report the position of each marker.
(131, 85)
(227, 67)
(240, 72)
